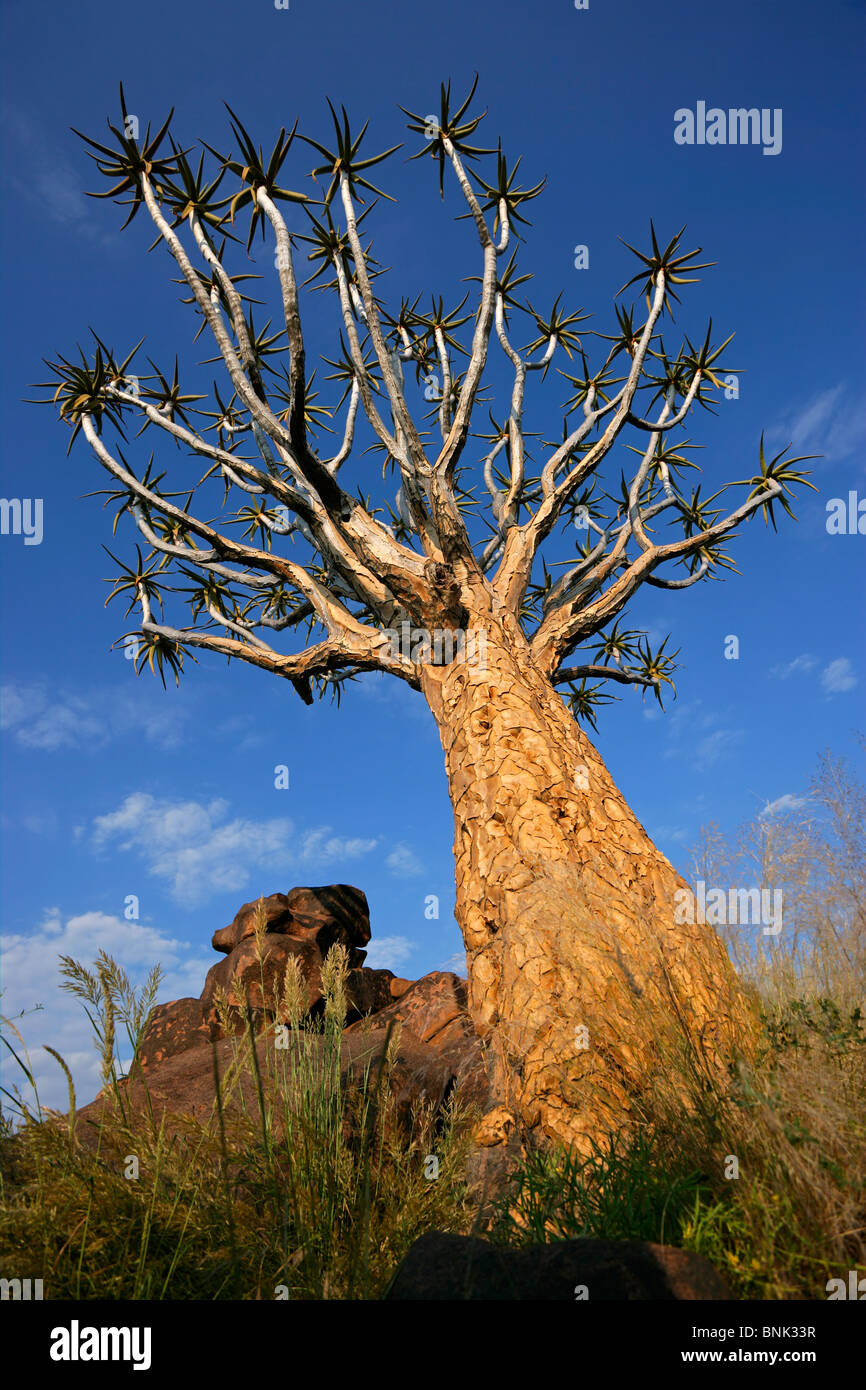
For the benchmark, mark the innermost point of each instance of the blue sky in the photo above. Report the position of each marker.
(114, 787)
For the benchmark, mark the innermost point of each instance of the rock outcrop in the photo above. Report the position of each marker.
(305, 923)
(437, 1049)
(174, 1028)
(444, 1266)
(325, 916)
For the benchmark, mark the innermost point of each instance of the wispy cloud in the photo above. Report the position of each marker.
(48, 721)
(695, 732)
(831, 423)
(198, 852)
(835, 679)
(715, 746)
(783, 804)
(801, 665)
(456, 964)
(838, 677)
(31, 976)
(389, 952)
(404, 863)
(672, 834)
(37, 822)
(52, 181)
(384, 689)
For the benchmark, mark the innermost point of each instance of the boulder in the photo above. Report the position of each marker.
(434, 1007)
(433, 1012)
(242, 975)
(328, 915)
(368, 991)
(173, 1028)
(181, 1088)
(341, 910)
(277, 916)
(435, 1050)
(444, 1266)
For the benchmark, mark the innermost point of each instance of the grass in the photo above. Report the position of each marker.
(315, 1190)
(764, 1175)
(778, 1223)
(301, 1186)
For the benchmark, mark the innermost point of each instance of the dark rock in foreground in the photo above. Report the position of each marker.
(444, 1266)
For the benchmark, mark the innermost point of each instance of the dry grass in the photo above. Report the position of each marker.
(789, 1121)
(314, 1189)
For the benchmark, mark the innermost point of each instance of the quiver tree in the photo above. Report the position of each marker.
(580, 975)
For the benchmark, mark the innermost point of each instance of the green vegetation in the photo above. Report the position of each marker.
(301, 1185)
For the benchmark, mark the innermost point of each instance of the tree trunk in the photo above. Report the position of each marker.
(580, 980)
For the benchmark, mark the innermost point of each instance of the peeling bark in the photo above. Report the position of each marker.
(567, 912)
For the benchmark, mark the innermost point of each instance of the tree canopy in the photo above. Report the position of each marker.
(294, 551)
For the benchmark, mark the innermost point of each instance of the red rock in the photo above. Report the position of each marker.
(277, 917)
(429, 1005)
(182, 1087)
(434, 1015)
(368, 991)
(436, 1048)
(334, 913)
(242, 975)
(173, 1028)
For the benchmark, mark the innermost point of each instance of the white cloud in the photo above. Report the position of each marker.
(828, 424)
(321, 847)
(783, 804)
(38, 723)
(31, 976)
(48, 722)
(198, 853)
(404, 863)
(715, 746)
(800, 664)
(388, 952)
(456, 964)
(838, 677)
